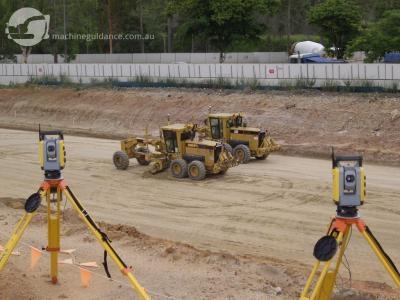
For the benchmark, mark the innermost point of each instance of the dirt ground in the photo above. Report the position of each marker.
(246, 235)
(262, 225)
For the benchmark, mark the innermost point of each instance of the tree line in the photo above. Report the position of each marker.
(213, 25)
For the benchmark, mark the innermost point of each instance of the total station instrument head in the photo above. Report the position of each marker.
(349, 184)
(52, 153)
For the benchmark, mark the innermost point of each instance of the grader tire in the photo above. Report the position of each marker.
(179, 168)
(196, 170)
(242, 154)
(228, 148)
(262, 157)
(121, 160)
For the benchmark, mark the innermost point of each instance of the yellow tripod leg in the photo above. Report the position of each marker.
(329, 280)
(326, 280)
(105, 243)
(382, 256)
(306, 289)
(15, 237)
(53, 226)
(304, 293)
(323, 277)
(31, 205)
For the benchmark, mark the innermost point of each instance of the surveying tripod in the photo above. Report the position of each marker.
(348, 192)
(51, 190)
(325, 249)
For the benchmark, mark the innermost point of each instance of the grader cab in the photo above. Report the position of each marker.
(180, 149)
(243, 142)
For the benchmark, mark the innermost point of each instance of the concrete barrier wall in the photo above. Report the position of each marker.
(164, 58)
(266, 74)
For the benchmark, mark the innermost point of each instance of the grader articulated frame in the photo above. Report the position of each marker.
(179, 149)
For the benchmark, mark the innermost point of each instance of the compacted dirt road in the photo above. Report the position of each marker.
(272, 210)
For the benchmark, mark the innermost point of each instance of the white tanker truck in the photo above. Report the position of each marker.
(307, 47)
(309, 52)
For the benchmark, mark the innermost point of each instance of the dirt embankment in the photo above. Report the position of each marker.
(304, 122)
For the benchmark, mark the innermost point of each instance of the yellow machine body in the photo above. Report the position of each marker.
(232, 129)
(41, 154)
(337, 185)
(177, 142)
(180, 143)
(59, 163)
(62, 158)
(363, 185)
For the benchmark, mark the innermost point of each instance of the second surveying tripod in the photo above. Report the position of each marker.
(349, 191)
(325, 249)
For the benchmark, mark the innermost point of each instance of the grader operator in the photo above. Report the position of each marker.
(179, 149)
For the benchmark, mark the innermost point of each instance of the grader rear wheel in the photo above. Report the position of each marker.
(228, 148)
(179, 168)
(196, 170)
(121, 160)
(242, 154)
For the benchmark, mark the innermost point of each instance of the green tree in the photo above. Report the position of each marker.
(379, 38)
(156, 23)
(220, 22)
(72, 15)
(378, 8)
(7, 47)
(196, 25)
(338, 20)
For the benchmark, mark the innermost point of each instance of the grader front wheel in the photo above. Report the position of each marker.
(121, 160)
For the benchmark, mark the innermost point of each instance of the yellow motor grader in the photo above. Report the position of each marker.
(242, 141)
(179, 149)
